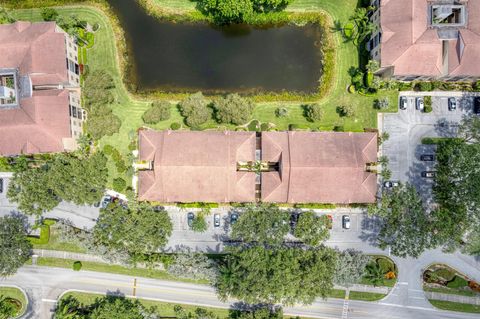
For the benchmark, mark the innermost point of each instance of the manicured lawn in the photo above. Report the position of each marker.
(14, 293)
(455, 306)
(55, 243)
(445, 290)
(103, 56)
(386, 282)
(164, 309)
(337, 293)
(365, 296)
(113, 269)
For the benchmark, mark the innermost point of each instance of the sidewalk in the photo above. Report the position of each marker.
(452, 298)
(366, 288)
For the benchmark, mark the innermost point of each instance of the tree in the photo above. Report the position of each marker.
(233, 109)
(374, 273)
(406, 226)
(194, 266)
(270, 5)
(14, 245)
(346, 110)
(313, 112)
(257, 312)
(350, 267)
(263, 224)
(68, 308)
(281, 112)
(469, 129)
(136, 231)
(282, 275)
(7, 308)
(312, 229)
(381, 104)
(198, 313)
(226, 11)
(49, 14)
(199, 224)
(195, 110)
(159, 111)
(5, 16)
(472, 245)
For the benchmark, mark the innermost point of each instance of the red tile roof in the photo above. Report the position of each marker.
(196, 166)
(319, 167)
(41, 121)
(413, 48)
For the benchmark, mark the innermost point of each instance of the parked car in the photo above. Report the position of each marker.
(1, 185)
(403, 103)
(476, 105)
(390, 184)
(346, 221)
(452, 104)
(428, 174)
(330, 218)
(190, 218)
(107, 199)
(233, 218)
(427, 157)
(216, 220)
(420, 104)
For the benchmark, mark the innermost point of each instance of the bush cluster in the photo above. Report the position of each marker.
(313, 112)
(159, 111)
(233, 109)
(195, 109)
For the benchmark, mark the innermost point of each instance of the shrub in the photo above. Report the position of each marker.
(233, 109)
(281, 112)
(95, 26)
(457, 282)
(348, 30)
(346, 110)
(108, 149)
(132, 146)
(351, 88)
(159, 111)
(49, 14)
(253, 125)
(423, 86)
(264, 127)
(381, 104)
(199, 224)
(77, 265)
(313, 112)
(121, 167)
(428, 104)
(368, 79)
(386, 265)
(293, 127)
(116, 156)
(339, 128)
(195, 110)
(175, 126)
(445, 274)
(119, 184)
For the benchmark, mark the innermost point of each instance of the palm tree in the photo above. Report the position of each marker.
(374, 274)
(68, 308)
(7, 308)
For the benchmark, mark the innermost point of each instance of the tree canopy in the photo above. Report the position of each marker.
(406, 226)
(350, 267)
(159, 111)
(312, 229)
(194, 266)
(281, 275)
(139, 230)
(195, 110)
(233, 109)
(313, 112)
(14, 245)
(262, 224)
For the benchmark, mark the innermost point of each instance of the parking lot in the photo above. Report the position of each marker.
(408, 127)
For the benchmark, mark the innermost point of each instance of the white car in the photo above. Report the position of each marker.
(420, 104)
(346, 221)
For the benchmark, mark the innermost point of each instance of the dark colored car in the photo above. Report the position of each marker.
(216, 220)
(1, 185)
(476, 105)
(427, 158)
(233, 218)
(403, 103)
(190, 218)
(452, 104)
(428, 174)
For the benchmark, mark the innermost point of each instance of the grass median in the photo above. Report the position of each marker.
(366, 296)
(14, 293)
(455, 306)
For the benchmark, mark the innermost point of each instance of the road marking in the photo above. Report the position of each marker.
(49, 300)
(345, 305)
(134, 286)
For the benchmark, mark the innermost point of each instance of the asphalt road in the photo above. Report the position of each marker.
(44, 286)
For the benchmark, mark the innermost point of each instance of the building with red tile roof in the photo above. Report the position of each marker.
(305, 167)
(39, 84)
(424, 39)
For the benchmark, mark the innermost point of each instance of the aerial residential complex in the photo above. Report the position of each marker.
(421, 40)
(39, 89)
(277, 167)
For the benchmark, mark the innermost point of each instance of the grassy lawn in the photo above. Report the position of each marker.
(337, 293)
(451, 291)
(455, 306)
(365, 296)
(14, 293)
(386, 282)
(164, 309)
(55, 243)
(103, 56)
(114, 269)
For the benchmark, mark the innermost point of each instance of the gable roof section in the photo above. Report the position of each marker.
(321, 168)
(196, 166)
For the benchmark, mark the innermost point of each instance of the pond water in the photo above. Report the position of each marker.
(192, 56)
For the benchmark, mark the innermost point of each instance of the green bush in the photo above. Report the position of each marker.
(428, 104)
(316, 206)
(233, 109)
(95, 26)
(339, 128)
(346, 110)
(198, 205)
(445, 274)
(253, 125)
(368, 79)
(108, 149)
(423, 86)
(175, 126)
(351, 88)
(119, 184)
(457, 282)
(293, 127)
(313, 112)
(264, 127)
(195, 110)
(199, 224)
(385, 264)
(281, 112)
(49, 14)
(132, 146)
(348, 30)
(159, 111)
(77, 265)
(116, 156)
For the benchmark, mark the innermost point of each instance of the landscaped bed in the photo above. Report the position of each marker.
(15, 297)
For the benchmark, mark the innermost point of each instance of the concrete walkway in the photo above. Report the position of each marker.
(366, 288)
(68, 255)
(439, 93)
(452, 298)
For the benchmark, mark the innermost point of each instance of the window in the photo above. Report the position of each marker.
(80, 114)
(74, 111)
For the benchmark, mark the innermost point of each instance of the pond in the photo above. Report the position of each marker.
(180, 57)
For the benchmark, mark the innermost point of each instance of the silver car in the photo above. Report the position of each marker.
(346, 221)
(420, 104)
(216, 220)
